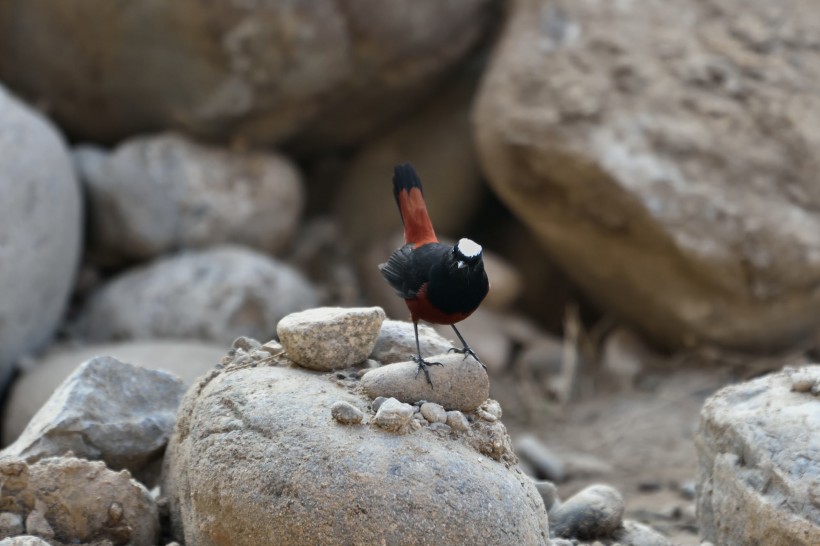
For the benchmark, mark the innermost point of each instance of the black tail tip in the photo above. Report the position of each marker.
(405, 177)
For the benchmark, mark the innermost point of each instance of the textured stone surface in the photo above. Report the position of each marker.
(458, 384)
(152, 195)
(328, 338)
(231, 479)
(323, 72)
(346, 413)
(759, 464)
(40, 230)
(642, 143)
(84, 501)
(106, 410)
(185, 359)
(594, 512)
(397, 342)
(217, 294)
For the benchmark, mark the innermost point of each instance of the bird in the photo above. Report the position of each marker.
(440, 283)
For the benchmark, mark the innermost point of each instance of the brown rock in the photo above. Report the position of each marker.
(324, 73)
(661, 157)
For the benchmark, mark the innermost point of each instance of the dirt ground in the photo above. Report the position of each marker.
(638, 439)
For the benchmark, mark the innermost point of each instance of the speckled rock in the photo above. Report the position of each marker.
(184, 358)
(157, 194)
(434, 413)
(231, 480)
(460, 383)
(346, 413)
(217, 294)
(397, 342)
(41, 230)
(329, 338)
(759, 463)
(108, 410)
(82, 501)
(594, 512)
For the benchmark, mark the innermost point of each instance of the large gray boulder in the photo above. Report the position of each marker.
(40, 230)
(185, 359)
(108, 410)
(326, 73)
(759, 462)
(664, 157)
(257, 457)
(217, 294)
(152, 195)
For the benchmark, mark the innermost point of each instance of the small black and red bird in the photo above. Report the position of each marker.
(441, 284)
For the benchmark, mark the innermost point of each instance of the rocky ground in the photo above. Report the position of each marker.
(194, 198)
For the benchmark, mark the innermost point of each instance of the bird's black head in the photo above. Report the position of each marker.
(467, 253)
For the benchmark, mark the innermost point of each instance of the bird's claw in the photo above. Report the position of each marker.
(422, 366)
(466, 351)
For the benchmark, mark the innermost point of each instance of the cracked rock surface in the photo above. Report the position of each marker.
(256, 453)
(758, 453)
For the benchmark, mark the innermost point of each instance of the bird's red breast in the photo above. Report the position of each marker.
(422, 309)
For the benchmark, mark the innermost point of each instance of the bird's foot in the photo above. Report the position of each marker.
(466, 351)
(423, 365)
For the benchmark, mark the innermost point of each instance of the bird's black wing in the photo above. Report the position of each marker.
(408, 268)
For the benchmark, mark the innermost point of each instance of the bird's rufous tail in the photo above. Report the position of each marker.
(418, 229)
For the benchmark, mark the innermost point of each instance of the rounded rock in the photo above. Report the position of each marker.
(459, 383)
(217, 294)
(594, 512)
(230, 479)
(330, 338)
(346, 413)
(153, 195)
(397, 341)
(457, 421)
(24, 540)
(434, 413)
(41, 226)
(632, 533)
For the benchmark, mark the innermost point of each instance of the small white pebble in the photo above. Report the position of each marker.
(492, 407)
(394, 415)
(457, 421)
(486, 416)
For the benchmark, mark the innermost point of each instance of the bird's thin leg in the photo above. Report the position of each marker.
(423, 364)
(466, 350)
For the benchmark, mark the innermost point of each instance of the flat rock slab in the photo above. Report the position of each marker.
(330, 338)
(458, 384)
(257, 456)
(759, 463)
